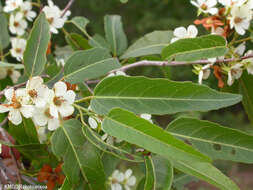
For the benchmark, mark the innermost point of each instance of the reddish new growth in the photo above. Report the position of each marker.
(218, 75)
(52, 177)
(210, 22)
(71, 86)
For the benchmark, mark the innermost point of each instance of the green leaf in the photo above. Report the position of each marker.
(80, 22)
(193, 49)
(214, 140)
(157, 96)
(4, 37)
(36, 48)
(89, 64)
(77, 41)
(99, 41)
(150, 44)
(164, 173)
(127, 126)
(11, 65)
(25, 133)
(206, 172)
(115, 34)
(78, 155)
(30, 151)
(245, 86)
(123, 1)
(180, 180)
(108, 148)
(150, 178)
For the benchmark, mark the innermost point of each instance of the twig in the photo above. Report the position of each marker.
(178, 63)
(92, 81)
(87, 86)
(70, 3)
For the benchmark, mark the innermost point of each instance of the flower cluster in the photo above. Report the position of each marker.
(119, 179)
(232, 14)
(21, 12)
(222, 17)
(55, 16)
(45, 106)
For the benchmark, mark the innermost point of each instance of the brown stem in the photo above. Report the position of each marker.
(70, 3)
(178, 63)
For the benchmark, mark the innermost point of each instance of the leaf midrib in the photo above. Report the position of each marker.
(161, 98)
(209, 141)
(88, 66)
(76, 155)
(168, 145)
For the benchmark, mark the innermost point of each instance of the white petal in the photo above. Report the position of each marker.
(146, 116)
(66, 110)
(40, 119)
(70, 96)
(116, 186)
(9, 94)
(92, 122)
(192, 31)
(15, 117)
(180, 32)
(3, 109)
(53, 111)
(53, 124)
(131, 181)
(200, 76)
(60, 88)
(27, 111)
(127, 187)
(128, 173)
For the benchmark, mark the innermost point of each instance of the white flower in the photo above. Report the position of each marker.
(181, 33)
(116, 179)
(60, 62)
(235, 72)
(42, 134)
(17, 24)
(239, 50)
(147, 117)
(26, 8)
(61, 102)
(93, 122)
(129, 180)
(229, 3)
(218, 31)
(14, 74)
(54, 16)
(240, 18)
(37, 91)
(206, 6)
(42, 117)
(11, 5)
(250, 4)
(17, 104)
(117, 73)
(18, 48)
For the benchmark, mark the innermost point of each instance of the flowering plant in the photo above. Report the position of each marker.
(78, 109)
